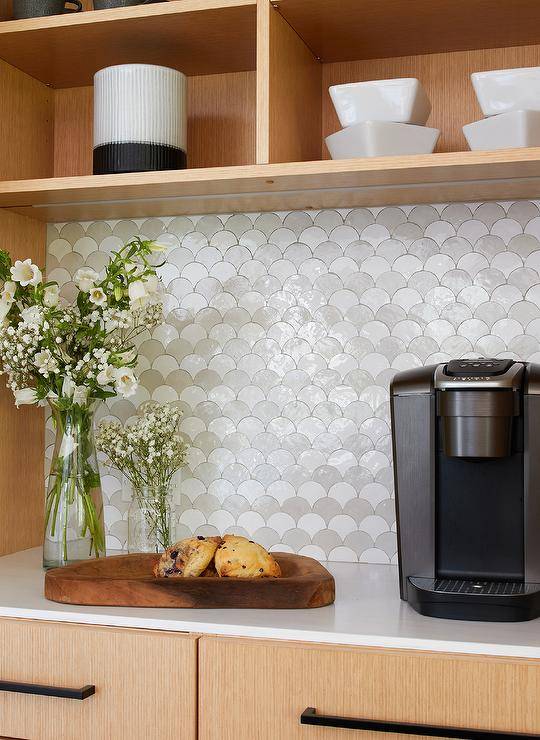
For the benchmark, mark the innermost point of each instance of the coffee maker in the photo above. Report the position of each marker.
(466, 444)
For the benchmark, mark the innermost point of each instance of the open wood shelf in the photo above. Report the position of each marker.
(257, 98)
(342, 30)
(199, 37)
(512, 173)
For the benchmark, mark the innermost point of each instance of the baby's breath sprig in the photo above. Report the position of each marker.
(148, 451)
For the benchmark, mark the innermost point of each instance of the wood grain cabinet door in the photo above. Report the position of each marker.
(145, 682)
(257, 690)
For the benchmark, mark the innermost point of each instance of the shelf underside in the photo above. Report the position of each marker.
(198, 37)
(342, 30)
(463, 176)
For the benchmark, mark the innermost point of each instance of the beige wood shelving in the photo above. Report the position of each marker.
(302, 185)
(259, 109)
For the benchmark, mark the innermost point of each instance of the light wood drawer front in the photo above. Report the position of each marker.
(259, 689)
(146, 685)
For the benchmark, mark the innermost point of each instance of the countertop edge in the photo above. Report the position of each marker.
(276, 633)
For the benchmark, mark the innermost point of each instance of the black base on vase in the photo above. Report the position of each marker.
(120, 157)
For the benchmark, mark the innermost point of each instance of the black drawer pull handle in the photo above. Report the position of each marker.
(38, 690)
(310, 717)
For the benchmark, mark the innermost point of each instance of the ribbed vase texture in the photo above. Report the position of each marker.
(140, 103)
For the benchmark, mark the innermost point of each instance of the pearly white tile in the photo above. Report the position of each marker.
(489, 213)
(440, 231)
(524, 312)
(456, 280)
(391, 249)
(523, 211)
(506, 229)
(507, 295)
(507, 329)
(391, 217)
(489, 246)
(472, 230)
(423, 216)
(457, 213)
(439, 264)
(439, 330)
(490, 312)
(283, 333)
(455, 247)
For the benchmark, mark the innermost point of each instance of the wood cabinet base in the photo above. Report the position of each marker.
(265, 686)
(145, 682)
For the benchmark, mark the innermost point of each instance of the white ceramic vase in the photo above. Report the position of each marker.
(140, 120)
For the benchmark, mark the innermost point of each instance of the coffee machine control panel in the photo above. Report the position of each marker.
(481, 372)
(484, 367)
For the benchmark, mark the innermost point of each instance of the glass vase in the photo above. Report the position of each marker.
(74, 504)
(150, 519)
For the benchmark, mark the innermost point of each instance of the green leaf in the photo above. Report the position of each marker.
(5, 264)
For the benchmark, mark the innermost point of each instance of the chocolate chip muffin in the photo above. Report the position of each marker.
(238, 557)
(188, 558)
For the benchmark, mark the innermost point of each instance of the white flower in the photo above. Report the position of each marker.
(125, 381)
(80, 395)
(45, 362)
(138, 295)
(25, 396)
(32, 315)
(5, 307)
(151, 284)
(97, 296)
(26, 273)
(8, 291)
(85, 279)
(68, 387)
(50, 296)
(107, 376)
(42, 359)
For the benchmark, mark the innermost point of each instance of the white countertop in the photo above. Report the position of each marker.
(367, 612)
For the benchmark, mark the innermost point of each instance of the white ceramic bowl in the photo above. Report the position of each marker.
(505, 90)
(381, 139)
(401, 100)
(520, 128)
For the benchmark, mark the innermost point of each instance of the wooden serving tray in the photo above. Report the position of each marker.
(127, 580)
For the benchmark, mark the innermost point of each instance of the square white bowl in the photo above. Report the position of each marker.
(400, 100)
(381, 139)
(513, 130)
(506, 90)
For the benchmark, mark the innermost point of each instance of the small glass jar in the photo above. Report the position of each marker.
(150, 519)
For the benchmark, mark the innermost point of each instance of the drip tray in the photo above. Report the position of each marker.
(490, 601)
(475, 588)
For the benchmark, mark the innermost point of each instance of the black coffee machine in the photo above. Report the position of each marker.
(466, 440)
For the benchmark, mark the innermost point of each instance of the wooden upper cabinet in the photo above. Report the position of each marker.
(259, 689)
(258, 77)
(145, 682)
(47, 66)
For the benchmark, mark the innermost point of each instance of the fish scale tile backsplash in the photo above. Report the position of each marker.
(282, 333)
